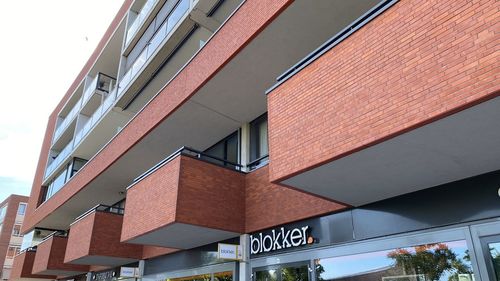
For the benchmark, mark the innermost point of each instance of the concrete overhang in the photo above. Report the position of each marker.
(459, 146)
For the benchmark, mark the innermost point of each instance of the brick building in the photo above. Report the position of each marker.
(12, 212)
(330, 140)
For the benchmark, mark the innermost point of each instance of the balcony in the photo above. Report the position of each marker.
(138, 19)
(94, 239)
(163, 43)
(59, 159)
(197, 200)
(23, 267)
(385, 121)
(49, 259)
(61, 128)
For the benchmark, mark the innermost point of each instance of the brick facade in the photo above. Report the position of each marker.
(23, 266)
(98, 234)
(270, 204)
(6, 231)
(189, 191)
(415, 63)
(50, 256)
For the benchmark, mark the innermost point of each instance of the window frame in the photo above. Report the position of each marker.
(24, 210)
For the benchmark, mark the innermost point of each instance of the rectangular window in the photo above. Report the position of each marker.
(258, 140)
(21, 210)
(13, 251)
(436, 261)
(3, 211)
(226, 149)
(16, 230)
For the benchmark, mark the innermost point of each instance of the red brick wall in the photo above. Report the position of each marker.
(189, 191)
(418, 61)
(98, 234)
(23, 264)
(50, 256)
(106, 238)
(238, 31)
(44, 152)
(80, 238)
(211, 196)
(8, 222)
(152, 202)
(268, 204)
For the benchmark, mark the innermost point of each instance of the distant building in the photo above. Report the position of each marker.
(12, 211)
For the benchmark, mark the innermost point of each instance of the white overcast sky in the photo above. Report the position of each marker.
(43, 46)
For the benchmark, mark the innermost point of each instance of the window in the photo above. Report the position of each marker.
(3, 211)
(226, 149)
(258, 140)
(16, 230)
(22, 209)
(13, 251)
(436, 261)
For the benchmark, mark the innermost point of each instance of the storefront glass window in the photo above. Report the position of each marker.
(223, 276)
(203, 277)
(495, 258)
(446, 261)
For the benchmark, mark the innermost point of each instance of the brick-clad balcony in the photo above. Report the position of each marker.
(184, 202)
(49, 259)
(23, 267)
(385, 108)
(94, 239)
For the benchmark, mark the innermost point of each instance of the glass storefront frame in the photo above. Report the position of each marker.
(472, 233)
(205, 270)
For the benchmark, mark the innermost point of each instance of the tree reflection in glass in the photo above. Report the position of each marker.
(446, 261)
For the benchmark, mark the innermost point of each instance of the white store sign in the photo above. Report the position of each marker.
(129, 272)
(230, 252)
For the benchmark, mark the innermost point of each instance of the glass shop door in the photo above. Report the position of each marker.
(286, 272)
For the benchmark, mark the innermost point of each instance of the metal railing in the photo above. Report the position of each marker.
(100, 208)
(57, 233)
(163, 32)
(65, 152)
(193, 153)
(139, 20)
(257, 163)
(67, 120)
(101, 82)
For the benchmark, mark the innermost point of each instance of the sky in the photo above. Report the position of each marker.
(43, 47)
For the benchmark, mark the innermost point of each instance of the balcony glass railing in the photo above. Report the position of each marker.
(65, 152)
(102, 83)
(160, 35)
(139, 20)
(96, 116)
(67, 120)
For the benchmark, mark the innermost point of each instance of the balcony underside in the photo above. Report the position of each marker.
(23, 267)
(195, 203)
(95, 240)
(235, 95)
(49, 259)
(459, 146)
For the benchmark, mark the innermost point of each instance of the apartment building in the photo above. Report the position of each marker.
(275, 140)
(12, 212)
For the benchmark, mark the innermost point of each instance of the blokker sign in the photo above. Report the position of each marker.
(278, 239)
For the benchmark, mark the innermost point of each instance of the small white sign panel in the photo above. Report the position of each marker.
(230, 252)
(129, 272)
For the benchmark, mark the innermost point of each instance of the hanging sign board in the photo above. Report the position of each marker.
(229, 252)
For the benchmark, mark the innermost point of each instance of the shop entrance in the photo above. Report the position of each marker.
(486, 239)
(461, 253)
(287, 272)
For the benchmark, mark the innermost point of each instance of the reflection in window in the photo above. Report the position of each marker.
(495, 258)
(202, 277)
(447, 261)
(223, 276)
